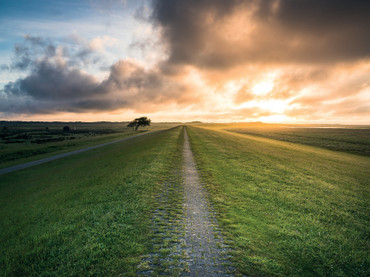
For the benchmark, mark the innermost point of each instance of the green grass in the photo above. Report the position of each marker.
(167, 255)
(87, 214)
(289, 209)
(19, 140)
(350, 139)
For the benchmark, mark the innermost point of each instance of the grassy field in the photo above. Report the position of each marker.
(87, 214)
(21, 142)
(290, 209)
(349, 139)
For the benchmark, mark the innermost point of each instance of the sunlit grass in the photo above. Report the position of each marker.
(289, 209)
(351, 140)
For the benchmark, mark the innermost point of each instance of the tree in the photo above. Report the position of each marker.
(66, 128)
(139, 122)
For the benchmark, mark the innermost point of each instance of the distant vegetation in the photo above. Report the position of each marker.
(139, 122)
(196, 121)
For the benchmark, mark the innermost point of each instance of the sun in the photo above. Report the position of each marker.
(274, 106)
(262, 88)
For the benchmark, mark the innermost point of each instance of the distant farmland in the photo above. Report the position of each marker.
(286, 203)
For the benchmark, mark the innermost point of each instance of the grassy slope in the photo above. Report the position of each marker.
(18, 153)
(290, 209)
(87, 214)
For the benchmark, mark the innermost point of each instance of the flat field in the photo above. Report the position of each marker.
(290, 209)
(345, 138)
(87, 214)
(21, 142)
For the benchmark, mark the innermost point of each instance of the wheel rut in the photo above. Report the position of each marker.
(187, 239)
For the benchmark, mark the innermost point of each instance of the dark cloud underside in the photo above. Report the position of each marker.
(56, 84)
(266, 31)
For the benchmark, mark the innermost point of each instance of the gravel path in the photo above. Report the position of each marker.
(186, 241)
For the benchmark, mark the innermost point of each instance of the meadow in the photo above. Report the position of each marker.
(289, 209)
(87, 214)
(21, 142)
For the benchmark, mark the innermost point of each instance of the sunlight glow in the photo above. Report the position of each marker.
(263, 87)
(273, 105)
(275, 118)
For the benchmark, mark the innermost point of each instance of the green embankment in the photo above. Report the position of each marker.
(15, 150)
(290, 209)
(87, 214)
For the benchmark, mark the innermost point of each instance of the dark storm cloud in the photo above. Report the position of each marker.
(49, 81)
(55, 84)
(217, 33)
(184, 25)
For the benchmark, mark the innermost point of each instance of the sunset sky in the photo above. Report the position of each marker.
(293, 61)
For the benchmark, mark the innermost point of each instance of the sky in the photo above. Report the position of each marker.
(287, 61)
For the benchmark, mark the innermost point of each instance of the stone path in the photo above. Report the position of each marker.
(187, 240)
(204, 244)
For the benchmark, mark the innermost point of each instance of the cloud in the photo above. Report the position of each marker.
(52, 81)
(37, 50)
(55, 83)
(4, 67)
(208, 59)
(219, 34)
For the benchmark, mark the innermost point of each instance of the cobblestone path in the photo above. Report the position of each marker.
(204, 243)
(187, 240)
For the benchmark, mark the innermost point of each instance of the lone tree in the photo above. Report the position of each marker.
(139, 122)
